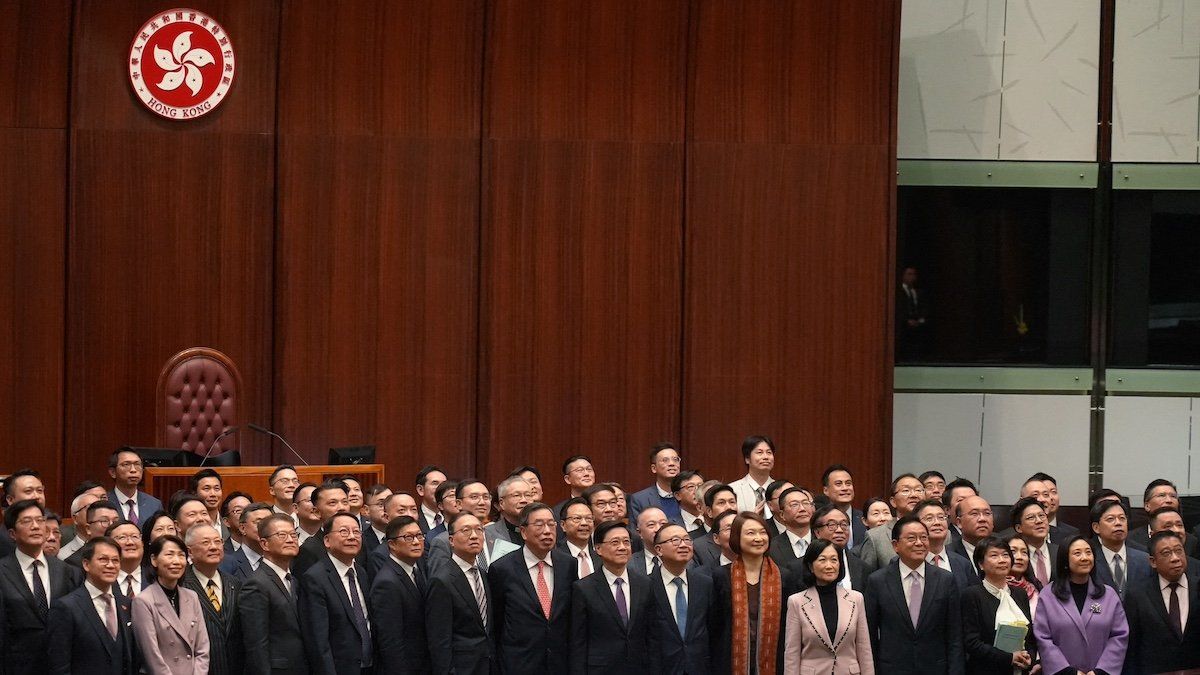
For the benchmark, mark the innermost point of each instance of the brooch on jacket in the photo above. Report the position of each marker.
(1095, 608)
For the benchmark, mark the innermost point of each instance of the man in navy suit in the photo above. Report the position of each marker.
(459, 621)
(1163, 614)
(398, 601)
(613, 612)
(125, 467)
(20, 485)
(427, 482)
(89, 628)
(26, 600)
(531, 592)
(688, 623)
(577, 522)
(268, 608)
(664, 466)
(933, 513)
(375, 521)
(334, 613)
(913, 612)
(838, 484)
(231, 516)
(1120, 566)
(243, 562)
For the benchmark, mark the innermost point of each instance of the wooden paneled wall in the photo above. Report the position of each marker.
(482, 233)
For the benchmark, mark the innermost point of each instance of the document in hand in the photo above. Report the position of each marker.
(1010, 637)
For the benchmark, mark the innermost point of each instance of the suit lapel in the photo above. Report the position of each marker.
(896, 588)
(639, 586)
(11, 570)
(846, 608)
(608, 599)
(89, 611)
(932, 587)
(463, 585)
(164, 609)
(335, 582)
(815, 616)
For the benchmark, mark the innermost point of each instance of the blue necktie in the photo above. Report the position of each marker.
(680, 607)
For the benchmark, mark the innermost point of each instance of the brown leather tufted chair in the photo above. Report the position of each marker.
(197, 399)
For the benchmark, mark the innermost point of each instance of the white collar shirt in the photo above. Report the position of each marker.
(25, 562)
(612, 586)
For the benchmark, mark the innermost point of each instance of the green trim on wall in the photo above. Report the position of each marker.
(1151, 381)
(933, 172)
(992, 379)
(1156, 177)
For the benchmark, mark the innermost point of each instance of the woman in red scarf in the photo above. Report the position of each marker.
(755, 591)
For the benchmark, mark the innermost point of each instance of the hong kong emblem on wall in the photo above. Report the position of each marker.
(181, 64)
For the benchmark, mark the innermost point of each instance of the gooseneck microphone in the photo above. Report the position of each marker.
(264, 430)
(223, 434)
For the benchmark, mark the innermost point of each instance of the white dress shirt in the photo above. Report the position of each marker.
(1183, 597)
(531, 563)
(906, 580)
(943, 560)
(281, 573)
(410, 570)
(845, 582)
(691, 521)
(796, 539)
(379, 535)
(123, 502)
(98, 603)
(612, 586)
(429, 515)
(254, 558)
(124, 577)
(342, 569)
(25, 563)
(574, 551)
(669, 584)
(216, 580)
(1108, 558)
(649, 557)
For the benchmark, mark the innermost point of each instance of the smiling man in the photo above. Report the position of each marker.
(218, 594)
(82, 646)
(877, 550)
(1164, 629)
(758, 453)
(665, 463)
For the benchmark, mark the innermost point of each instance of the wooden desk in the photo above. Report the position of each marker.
(162, 482)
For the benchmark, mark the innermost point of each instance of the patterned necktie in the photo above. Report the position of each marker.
(543, 589)
(915, 594)
(437, 519)
(1119, 574)
(801, 547)
(110, 614)
(132, 517)
(681, 607)
(1039, 568)
(585, 565)
(480, 595)
(619, 597)
(39, 591)
(360, 618)
(1173, 611)
(212, 595)
(759, 496)
(129, 592)
(287, 581)
(937, 560)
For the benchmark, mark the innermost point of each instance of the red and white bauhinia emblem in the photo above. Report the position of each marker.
(181, 64)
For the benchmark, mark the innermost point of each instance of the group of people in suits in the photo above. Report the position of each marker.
(689, 576)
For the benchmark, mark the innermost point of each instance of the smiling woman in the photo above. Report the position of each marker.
(168, 621)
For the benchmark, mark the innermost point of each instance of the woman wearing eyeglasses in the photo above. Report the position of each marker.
(826, 623)
(167, 619)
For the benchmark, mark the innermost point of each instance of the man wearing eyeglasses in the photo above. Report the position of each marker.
(100, 515)
(577, 522)
(687, 618)
(459, 619)
(933, 513)
(398, 601)
(476, 500)
(86, 494)
(125, 467)
(531, 593)
(795, 514)
(328, 498)
(267, 606)
(218, 593)
(515, 494)
(830, 522)
(134, 575)
(74, 642)
(877, 550)
(1029, 521)
(282, 485)
(335, 617)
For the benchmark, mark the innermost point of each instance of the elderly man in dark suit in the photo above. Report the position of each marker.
(459, 621)
(795, 515)
(89, 628)
(334, 613)
(268, 603)
(531, 592)
(218, 593)
(913, 610)
(398, 601)
(689, 624)
(1163, 615)
(832, 523)
(31, 582)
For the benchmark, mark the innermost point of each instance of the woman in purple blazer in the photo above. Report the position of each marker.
(167, 618)
(1080, 624)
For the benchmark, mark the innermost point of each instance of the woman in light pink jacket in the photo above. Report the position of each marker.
(826, 623)
(167, 618)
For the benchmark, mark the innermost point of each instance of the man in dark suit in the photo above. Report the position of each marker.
(334, 613)
(398, 601)
(688, 621)
(912, 312)
(1169, 518)
(18, 486)
(718, 499)
(831, 523)
(231, 516)
(74, 535)
(88, 629)
(100, 516)
(376, 520)
(1058, 530)
(268, 603)
(328, 498)
(531, 595)
(933, 513)
(243, 562)
(684, 486)
(613, 612)
(1163, 615)
(975, 521)
(1028, 517)
(954, 493)
(913, 612)
(125, 467)
(577, 523)
(475, 499)
(1120, 566)
(838, 485)
(458, 610)
(713, 551)
(794, 513)
(134, 575)
(218, 593)
(32, 581)
(427, 482)
(664, 466)
(1160, 493)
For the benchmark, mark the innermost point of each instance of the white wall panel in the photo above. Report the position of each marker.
(1146, 437)
(1024, 433)
(936, 431)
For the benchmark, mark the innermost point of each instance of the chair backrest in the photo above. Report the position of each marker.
(197, 398)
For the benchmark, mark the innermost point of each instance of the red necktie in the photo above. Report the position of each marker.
(543, 590)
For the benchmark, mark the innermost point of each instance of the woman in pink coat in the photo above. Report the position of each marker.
(826, 623)
(167, 618)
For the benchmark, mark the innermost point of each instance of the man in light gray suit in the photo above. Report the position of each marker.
(515, 494)
(877, 551)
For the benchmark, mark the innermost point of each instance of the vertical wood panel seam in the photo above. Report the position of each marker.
(480, 204)
(273, 357)
(68, 194)
(683, 229)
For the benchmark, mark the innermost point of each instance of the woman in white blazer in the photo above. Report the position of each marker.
(826, 623)
(167, 618)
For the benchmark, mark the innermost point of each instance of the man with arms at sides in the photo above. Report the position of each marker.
(689, 624)
(913, 611)
(579, 475)
(218, 593)
(134, 575)
(268, 603)
(613, 613)
(1028, 517)
(125, 468)
(720, 537)
(459, 623)
(691, 508)
(934, 483)
(831, 523)
(1164, 631)
(376, 519)
(88, 629)
(956, 491)
(877, 549)
(88, 493)
(1169, 518)
(758, 453)
(100, 515)
(774, 491)
(975, 522)
(838, 485)
(427, 482)
(1159, 493)
(32, 581)
(933, 514)
(330, 498)
(398, 601)
(1058, 531)
(307, 517)
(795, 514)
(577, 524)
(515, 494)
(207, 484)
(231, 515)
(717, 500)
(664, 466)
(246, 560)
(282, 485)
(531, 592)
(476, 500)
(335, 617)
(1121, 567)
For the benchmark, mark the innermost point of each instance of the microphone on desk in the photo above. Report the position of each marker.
(264, 430)
(223, 434)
